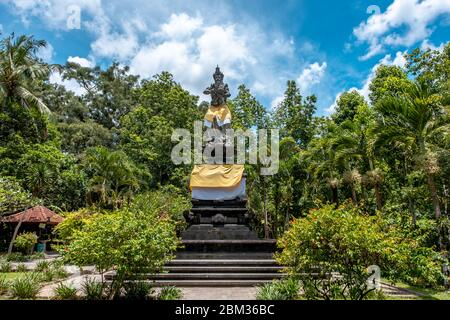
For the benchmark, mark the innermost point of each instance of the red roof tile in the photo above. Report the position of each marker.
(37, 214)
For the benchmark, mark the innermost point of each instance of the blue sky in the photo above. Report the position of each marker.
(326, 46)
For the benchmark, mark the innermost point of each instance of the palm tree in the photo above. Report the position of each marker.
(415, 118)
(354, 145)
(20, 69)
(113, 177)
(321, 163)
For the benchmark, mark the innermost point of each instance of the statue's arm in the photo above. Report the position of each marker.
(227, 91)
(208, 90)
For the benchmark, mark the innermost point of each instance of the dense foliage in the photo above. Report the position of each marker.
(338, 245)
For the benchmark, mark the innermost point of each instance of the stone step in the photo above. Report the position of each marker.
(209, 276)
(227, 262)
(223, 269)
(208, 246)
(214, 210)
(208, 283)
(225, 256)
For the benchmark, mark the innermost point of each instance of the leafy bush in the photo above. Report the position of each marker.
(279, 290)
(4, 285)
(92, 289)
(16, 257)
(137, 290)
(26, 287)
(73, 222)
(339, 244)
(129, 241)
(65, 292)
(168, 203)
(42, 265)
(47, 275)
(5, 266)
(37, 256)
(25, 242)
(21, 268)
(170, 293)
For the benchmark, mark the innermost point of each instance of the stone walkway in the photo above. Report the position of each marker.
(229, 293)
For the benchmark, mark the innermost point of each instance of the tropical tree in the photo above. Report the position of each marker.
(113, 177)
(20, 69)
(294, 115)
(415, 118)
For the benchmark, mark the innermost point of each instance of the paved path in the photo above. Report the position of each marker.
(228, 293)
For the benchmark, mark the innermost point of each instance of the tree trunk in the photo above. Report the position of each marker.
(355, 200)
(335, 196)
(434, 196)
(16, 230)
(412, 211)
(378, 197)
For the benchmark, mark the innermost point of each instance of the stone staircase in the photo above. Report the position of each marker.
(216, 270)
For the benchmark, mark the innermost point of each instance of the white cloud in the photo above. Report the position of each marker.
(81, 61)
(311, 76)
(382, 30)
(426, 44)
(70, 85)
(276, 102)
(192, 59)
(46, 53)
(53, 13)
(180, 25)
(178, 38)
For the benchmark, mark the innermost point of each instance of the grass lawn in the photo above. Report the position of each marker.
(12, 275)
(429, 294)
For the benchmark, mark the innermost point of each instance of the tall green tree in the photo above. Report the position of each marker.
(347, 106)
(247, 111)
(110, 94)
(20, 69)
(416, 118)
(294, 115)
(388, 80)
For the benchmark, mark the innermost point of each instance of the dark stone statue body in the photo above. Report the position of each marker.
(219, 92)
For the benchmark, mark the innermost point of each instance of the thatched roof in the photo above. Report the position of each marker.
(38, 214)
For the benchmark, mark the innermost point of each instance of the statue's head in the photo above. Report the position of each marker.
(218, 75)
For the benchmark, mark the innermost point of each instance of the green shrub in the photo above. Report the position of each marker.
(26, 287)
(16, 257)
(137, 290)
(74, 222)
(25, 242)
(170, 293)
(65, 292)
(37, 256)
(42, 265)
(338, 245)
(92, 289)
(59, 272)
(279, 290)
(4, 285)
(21, 268)
(47, 275)
(5, 266)
(127, 241)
